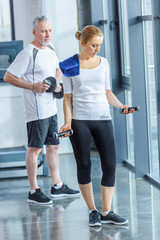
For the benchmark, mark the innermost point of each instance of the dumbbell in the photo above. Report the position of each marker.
(57, 135)
(137, 108)
(52, 82)
(59, 94)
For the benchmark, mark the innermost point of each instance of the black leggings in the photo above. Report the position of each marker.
(102, 132)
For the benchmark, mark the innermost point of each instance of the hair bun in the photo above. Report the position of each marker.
(78, 35)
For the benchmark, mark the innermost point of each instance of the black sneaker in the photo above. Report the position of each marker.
(64, 191)
(111, 217)
(39, 198)
(94, 219)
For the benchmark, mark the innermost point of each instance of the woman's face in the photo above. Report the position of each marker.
(92, 47)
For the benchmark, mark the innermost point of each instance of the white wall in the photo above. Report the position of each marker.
(63, 15)
(12, 126)
(24, 13)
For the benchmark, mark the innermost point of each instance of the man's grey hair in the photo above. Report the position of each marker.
(39, 18)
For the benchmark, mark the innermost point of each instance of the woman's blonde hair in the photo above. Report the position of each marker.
(88, 32)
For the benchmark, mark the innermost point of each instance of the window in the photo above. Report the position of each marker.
(5, 21)
(125, 59)
(150, 89)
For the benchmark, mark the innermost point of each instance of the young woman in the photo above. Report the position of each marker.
(86, 110)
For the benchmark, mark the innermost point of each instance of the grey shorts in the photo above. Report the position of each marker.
(40, 132)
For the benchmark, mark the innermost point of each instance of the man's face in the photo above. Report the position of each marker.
(43, 32)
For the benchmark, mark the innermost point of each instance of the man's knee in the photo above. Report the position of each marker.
(34, 151)
(52, 148)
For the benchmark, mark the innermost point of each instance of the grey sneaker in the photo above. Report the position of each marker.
(111, 217)
(39, 198)
(94, 219)
(64, 191)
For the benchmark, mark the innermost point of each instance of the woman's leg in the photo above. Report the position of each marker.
(87, 192)
(81, 141)
(104, 140)
(107, 194)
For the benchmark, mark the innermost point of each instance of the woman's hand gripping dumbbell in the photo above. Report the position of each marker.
(137, 108)
(62, 134)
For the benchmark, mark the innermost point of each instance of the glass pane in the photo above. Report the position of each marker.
(4, 61)
(106, 31)
(5, 21)
(151, 91)
(126, 72)
(146, 7)
(107, 40)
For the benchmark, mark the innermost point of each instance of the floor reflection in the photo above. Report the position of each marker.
(48, 219)
(108, 232)
(67, 219)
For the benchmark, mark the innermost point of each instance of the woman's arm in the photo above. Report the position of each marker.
(113, 100)
(67, 108)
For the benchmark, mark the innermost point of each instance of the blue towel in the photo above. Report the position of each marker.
(70, 66)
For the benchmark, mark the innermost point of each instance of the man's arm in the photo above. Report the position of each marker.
(58, 78)
(18, 82)
(58, 74)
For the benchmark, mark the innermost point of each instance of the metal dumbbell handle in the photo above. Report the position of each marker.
(130, 108)
(57, 135)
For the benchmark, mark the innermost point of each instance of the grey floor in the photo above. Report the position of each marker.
(67, 219)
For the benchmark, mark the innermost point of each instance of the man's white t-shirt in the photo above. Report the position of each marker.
(36, 105)
(89, 92)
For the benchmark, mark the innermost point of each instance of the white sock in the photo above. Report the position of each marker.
(58, 185)
(32, 191)
(93, 210)
(105, 213)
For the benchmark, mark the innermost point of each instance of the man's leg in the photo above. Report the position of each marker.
(37, 132)
(35, 195)
(58, 189)
(53, 163)
(31, 165)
